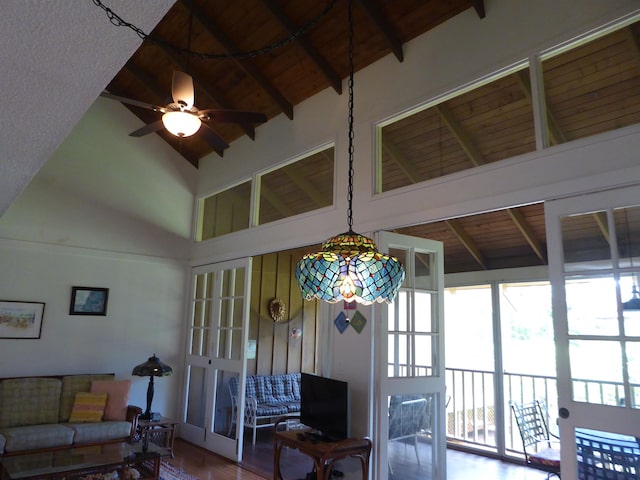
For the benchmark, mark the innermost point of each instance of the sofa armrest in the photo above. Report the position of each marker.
(133, 411)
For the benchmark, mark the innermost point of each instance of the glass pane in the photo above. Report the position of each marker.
(401, 255)
(633, 364)
(424, 278)
(296, 188)
(469, 314)
(596, 371)
(397, 314)
(236, 320)
(592, 308)
(225, 212)
(487, 124)
(471, 406)
(525, 310)
(423, 313)
(627, 224)
(630, 303)
(410, 449)
(223, 410)
(585, 242)
(196, 342)
(196, 397)
(424, 347)
(594, 87)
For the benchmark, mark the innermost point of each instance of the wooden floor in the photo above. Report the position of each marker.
(258, 464)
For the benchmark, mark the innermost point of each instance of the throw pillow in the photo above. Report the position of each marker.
(117, 397)
(88, 407)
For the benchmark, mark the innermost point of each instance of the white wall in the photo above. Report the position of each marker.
(109, 211)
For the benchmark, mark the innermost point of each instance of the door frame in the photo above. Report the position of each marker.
(582, 414)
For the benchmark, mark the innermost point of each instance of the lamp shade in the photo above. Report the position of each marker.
(349, 268)
(181, 124)
(153, 367)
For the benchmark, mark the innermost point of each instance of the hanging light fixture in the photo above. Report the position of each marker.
(349, 267)
(181, 123)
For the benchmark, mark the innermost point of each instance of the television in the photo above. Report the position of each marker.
(325, 406)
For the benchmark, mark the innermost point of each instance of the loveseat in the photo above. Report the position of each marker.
(41, 413)
(268, 397)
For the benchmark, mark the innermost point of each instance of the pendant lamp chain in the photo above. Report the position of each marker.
(349, 267)
(350, 122)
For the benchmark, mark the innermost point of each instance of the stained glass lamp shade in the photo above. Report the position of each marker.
(349, 268)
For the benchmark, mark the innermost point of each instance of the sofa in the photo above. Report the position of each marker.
(268, 397)
(44, 413)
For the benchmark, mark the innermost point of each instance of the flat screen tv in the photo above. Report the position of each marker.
(325, 406)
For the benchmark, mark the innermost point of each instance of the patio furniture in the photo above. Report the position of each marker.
(539, 449)
(607, 456)
(409, 415)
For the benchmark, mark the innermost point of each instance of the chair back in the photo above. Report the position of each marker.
(531, 423)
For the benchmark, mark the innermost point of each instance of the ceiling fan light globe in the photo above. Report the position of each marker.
(181, 124)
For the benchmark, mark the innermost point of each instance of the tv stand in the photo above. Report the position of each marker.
(323, 453)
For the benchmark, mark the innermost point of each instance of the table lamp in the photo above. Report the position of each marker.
(153, 367)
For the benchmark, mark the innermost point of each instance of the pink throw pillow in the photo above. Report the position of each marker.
(117, 397)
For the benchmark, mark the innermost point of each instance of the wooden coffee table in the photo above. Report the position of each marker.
(78, 462)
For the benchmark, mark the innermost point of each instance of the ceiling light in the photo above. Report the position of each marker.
(181, 124)
(349, 267)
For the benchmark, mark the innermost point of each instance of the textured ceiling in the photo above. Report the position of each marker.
(57, 57)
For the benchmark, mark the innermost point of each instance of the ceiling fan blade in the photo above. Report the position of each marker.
(233, 116)
(130, 101)
(213, 139)
(147, 129)
(182, 88)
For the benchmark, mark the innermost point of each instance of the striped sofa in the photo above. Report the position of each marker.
(35, 415)
(268, 397)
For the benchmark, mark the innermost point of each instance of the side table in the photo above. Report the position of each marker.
(161, 432)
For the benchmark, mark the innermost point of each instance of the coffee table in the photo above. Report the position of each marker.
(74, 463)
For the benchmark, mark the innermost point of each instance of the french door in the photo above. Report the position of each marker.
(597, 335)
(410, 371)
(216, 352)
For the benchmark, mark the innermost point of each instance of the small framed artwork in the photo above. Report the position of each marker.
(88, 301)
(21, 319)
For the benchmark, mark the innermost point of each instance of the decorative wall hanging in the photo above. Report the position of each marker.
(341, 322)
(358, 322)
(21, 319)
(277, 310)
(88, 301)
(296, 333)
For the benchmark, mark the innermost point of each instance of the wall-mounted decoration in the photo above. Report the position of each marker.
(277, 310)
(341, 322)
(295, 333)
(89, 301)
(21, 319)
(358, 321)
(252, 348)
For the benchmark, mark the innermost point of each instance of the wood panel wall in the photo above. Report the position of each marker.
(273, 276)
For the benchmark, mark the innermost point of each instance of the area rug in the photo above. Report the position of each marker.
(169, 472)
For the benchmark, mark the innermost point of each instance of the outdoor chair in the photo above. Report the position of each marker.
(603, 456)
(537, 442)
(409, 415)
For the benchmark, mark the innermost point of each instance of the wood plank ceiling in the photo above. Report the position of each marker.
(488, 124)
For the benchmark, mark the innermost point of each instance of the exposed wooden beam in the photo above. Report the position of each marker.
(385, 27)
(601, 220)
(275, 202)
(307, 187)
(556, 136)
(244, 64)
(323, 66)
(461, 136)
(407, 168)
(467, 241)
(479, 6)
(528, 233)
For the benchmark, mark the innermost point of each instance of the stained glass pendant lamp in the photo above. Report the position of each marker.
(349, 267)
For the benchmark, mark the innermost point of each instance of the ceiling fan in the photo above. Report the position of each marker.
(183, 119)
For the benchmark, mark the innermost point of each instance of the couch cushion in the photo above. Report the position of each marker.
(72, 384)
(36, 436)
(29, 401)
(99, 432)
(88, 407)
(264, 389)
(117, 397)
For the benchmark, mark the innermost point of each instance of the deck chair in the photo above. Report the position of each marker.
(603, 456)
(409, 416)
(541, 449)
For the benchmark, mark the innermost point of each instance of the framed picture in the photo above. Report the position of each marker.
(88, 301)
(21, 319)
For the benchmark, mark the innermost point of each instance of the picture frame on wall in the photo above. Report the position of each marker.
(89, 301)
(21, 320)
